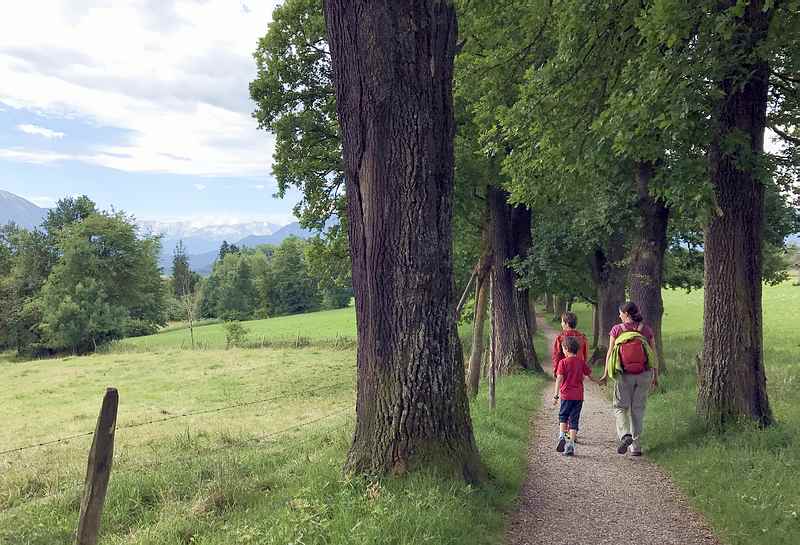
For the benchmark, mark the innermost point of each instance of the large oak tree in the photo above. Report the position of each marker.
(393, 74)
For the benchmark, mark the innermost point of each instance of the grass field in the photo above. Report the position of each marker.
(265, 472)
(325, 325)
(236, 475)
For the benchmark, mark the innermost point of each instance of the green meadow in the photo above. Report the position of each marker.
(246, 445)
(236, 446)
(317, 326)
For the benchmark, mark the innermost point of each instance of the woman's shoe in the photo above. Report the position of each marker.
(624, 443)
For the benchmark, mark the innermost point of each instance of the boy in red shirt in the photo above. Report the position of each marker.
(569, 321)
(569, 388)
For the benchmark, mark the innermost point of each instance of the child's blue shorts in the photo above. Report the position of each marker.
(570, 412)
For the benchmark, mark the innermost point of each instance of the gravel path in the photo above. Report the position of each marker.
(598, 496)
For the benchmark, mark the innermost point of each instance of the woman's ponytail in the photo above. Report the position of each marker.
(632, 310)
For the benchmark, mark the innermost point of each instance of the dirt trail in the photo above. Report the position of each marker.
(598, 496)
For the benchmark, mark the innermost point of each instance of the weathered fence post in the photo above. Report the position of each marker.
(98, 470)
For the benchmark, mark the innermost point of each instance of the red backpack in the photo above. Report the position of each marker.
(633, 356)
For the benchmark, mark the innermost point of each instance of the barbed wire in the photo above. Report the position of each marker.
(252, 441)
(172, 417)
(178, 459)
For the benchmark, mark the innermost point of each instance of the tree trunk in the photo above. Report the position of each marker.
(732, 381)
(559, 307)
(481, 302)
(513, 338)
(532, 304)
(548, 303)
(595, 327)
(647, 256)
(393, 74)
(608, 273)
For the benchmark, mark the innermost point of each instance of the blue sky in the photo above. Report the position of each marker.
(142, 105)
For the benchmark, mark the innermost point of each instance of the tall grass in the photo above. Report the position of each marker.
(237, 476)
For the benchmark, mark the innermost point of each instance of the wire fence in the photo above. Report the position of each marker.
(263, 439)
(160, 420)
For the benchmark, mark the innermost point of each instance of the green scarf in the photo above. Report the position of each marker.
(614, 363)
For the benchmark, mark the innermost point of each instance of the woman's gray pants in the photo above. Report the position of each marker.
(630, 398)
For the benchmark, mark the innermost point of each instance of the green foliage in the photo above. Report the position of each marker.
(80, 317)
(68, 211)
(269, 281)
(184, 281)
(295, 101)
(106, 283)
(286, 285)
(235, 334)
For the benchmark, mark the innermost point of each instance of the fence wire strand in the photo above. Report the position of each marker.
(260, 440)
(43, 443)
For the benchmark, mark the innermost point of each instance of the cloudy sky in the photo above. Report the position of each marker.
(140, 104)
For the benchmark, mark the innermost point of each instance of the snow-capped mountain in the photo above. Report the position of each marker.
(201, 242)
(216, 232)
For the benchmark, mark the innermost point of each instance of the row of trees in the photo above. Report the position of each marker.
(569, 143)
(85, 277)
(264, 281)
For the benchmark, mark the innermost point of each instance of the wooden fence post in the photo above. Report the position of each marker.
(98, 470)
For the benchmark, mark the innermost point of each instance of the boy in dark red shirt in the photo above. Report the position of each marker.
(569, 322)
(569, 388)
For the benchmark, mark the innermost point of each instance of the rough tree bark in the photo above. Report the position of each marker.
(513, 346)
(393, 73)
(732, 382)
(608, 274)
(647, 256)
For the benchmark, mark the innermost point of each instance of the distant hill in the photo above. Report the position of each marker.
(21, 211)
(293, 229)
(203, 262)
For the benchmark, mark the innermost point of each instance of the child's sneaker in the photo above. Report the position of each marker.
(569, 450)
(561, 442)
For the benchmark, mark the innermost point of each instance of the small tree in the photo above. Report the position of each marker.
(183, 279)
(235, 334)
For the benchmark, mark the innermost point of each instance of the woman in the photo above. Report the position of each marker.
(631, 362)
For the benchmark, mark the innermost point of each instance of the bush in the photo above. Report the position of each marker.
(140, 328)
(235, 334)
(174, 310)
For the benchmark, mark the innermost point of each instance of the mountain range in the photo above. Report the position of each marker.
(24, 213)
(201, 242)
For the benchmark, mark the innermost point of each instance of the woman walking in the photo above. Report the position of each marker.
(632, 364)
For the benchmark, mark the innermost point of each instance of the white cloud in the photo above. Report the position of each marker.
(200, 187)
(260, 187)
(34, 157)
(41, 131)
(172, 74)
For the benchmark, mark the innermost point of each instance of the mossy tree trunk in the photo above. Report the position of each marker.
(393, 74)
(732, 381)
(513, 340)
(608, 273)
(647, 256)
